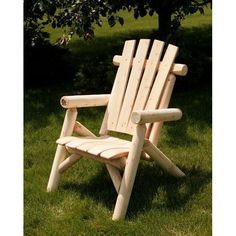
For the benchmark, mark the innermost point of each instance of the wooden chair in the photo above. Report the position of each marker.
(137, 106)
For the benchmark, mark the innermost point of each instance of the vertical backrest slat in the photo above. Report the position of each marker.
(119, 87)
(154, 133)
(140, 84)
(159, 83)
(133, 84)
(147, 80)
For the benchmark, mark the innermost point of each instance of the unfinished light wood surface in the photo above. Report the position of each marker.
(137, 105)
(115, 176)
(84, 101)
(82, 130)
(147, 80)
(177, 69)
(129, 173)
(60, 155)
(151, 116)
(68, 162)
(120, 84)
(153, 132)
(133, 84)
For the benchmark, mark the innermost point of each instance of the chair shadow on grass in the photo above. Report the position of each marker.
(153, 189)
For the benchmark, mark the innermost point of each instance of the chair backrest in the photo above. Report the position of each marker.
(143, 82)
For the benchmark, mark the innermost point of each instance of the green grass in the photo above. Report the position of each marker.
(160, 204)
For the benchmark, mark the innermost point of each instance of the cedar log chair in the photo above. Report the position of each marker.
(137, 106)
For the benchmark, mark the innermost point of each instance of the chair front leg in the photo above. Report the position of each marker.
(129, 173)
(60, 155)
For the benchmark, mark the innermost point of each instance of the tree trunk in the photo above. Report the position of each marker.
(164, 20)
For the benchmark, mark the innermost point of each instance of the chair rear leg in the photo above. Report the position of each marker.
(115, 176)
(162, 160)
(129, 174)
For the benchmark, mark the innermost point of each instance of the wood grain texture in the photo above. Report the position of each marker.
(82, 130)
(60, 155)
(129, 174)
(133, 84)
(159, 83)
(68, 162)
(177, 68)
(154, 133)
(84, 100)
(147, 80)
(164, 162)
(119, 87)
(115, 176)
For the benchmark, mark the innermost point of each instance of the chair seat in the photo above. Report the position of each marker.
(106, 147)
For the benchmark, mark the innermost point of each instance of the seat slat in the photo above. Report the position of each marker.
(133, 84)
(86, 146)
(93, 145)
(66, 139)
(96, 150)
(115, 153)
(119, 87)
(77, 141)
(147, 80)
(96, 144)
(114, 147)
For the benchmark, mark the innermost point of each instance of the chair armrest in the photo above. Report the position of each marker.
(151, 116)
(84, 100)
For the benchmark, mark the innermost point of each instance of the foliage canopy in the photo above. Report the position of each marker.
(79, 16)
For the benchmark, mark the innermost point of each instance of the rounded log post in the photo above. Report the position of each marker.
(129, 173)
(104, 126)
(68, 162)
(54, 176)
(82, 130)
(150, 116)
(84, 100)
(162, 160)
(115, 176)
(60, 155)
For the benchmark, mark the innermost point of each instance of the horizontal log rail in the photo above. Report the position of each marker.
(84, 100)
(177, 69)
(151, 116)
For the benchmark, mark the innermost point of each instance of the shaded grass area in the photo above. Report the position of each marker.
(84, 202)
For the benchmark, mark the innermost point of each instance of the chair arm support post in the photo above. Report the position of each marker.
(60, 155)
(69, 122)
(76, 101)
(151, 116)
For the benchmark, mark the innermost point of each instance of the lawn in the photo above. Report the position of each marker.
(160, 204)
